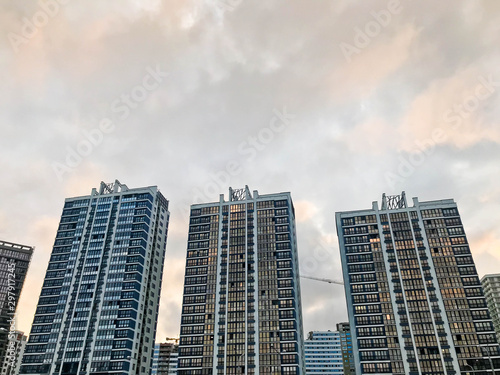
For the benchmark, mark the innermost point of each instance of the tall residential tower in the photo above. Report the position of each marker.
(491, 286)
(415, 302)
(98, 307)
(14, 263)
(241, 310)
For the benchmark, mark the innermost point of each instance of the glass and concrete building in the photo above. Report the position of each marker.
(323, 353)
(14, 353)
(415, 302)
(165, 359)
(98, 306)
(491, 286)
(14, 263)
(154, 365)
(241, 310)
(344, 330)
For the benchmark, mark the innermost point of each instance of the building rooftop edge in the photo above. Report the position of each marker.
(17, 246)
(416, 203)
(94, 192)
(490, 275)
(248, 198)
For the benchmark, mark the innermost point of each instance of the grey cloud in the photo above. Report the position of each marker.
(227, 73)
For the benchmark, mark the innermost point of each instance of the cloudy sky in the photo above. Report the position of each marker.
(334, 101)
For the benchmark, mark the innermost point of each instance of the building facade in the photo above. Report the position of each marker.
(154, 365)
(491, 287)
(241, 309)
(344, 330)
(98, 306)
(415, 302)
(323, 353)
(165, 359)
(14, 263)
(14, 353)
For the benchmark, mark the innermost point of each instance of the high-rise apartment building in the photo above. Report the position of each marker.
(323, 353)
(98, 307)
(14, 263)
(166, 357)
(14, 353)
(491, 287)
(415, 302)
(241, 310)
(344, 330)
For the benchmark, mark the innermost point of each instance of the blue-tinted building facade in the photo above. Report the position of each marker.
(165, 359)
(344, 330)
(98, 306)
(323, 353)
